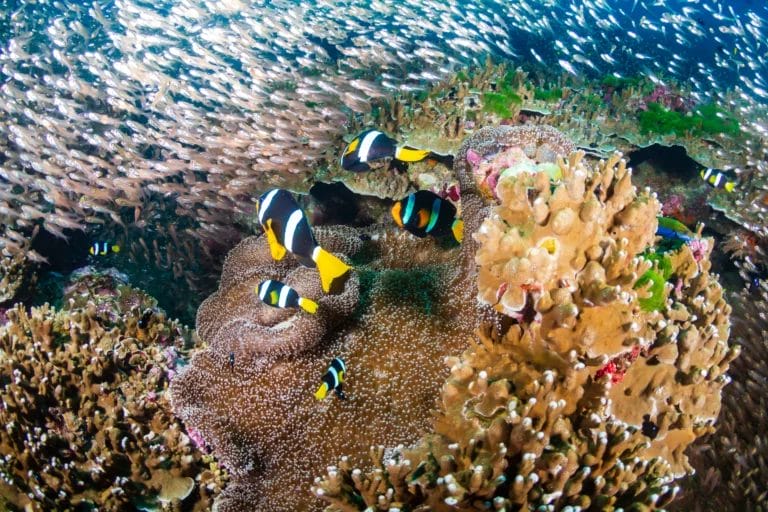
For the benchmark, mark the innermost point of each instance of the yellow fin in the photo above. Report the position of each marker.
(458, 230)
(408, 154)
(321, 391)
(307, 305)
(273, 297)
(329, 266)
(341, 376)
(115, 248)
(352, 146)
(729, 186)
(277, 250)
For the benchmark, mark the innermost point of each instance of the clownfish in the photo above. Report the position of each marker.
(426, 213)
(103, 248)
(672, 228)
(279, 295)
(332, 379)
(373, 145)
(288, 230)
(719, 179)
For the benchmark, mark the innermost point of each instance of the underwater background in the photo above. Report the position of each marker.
(570, 315)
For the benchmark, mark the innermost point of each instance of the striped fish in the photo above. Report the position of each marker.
(332, 379)
(374, 146)
(279, 295)
(719, 179)
(288, 230)
(103, 248)
(426, 213)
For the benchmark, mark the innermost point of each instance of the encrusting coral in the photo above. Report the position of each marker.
(588, 400)
(253, 402)
(85, 414)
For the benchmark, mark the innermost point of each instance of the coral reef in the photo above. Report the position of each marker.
(87, 422)
(252, 402)
(588, 399)
(14, 276)
(732, 463)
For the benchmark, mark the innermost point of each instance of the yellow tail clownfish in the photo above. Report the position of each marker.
(426, 213)
(718, 179)
(332, 379)
(279, 295)
(373, 145)
(288, 230)
(103, 248)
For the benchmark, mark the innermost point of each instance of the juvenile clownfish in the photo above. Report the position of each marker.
(279, 295)
(373, 145)
(103, 248)
(672, 228)
(288, 230)
(719, 179)
(332, 379)
(426, 213)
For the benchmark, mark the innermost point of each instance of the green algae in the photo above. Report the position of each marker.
(707, 120)
(499, 101)
(656, 300)
(548, 95)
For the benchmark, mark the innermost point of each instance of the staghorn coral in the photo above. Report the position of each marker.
(14, 273)
(257, 410)
(589, 400)
(84, 405)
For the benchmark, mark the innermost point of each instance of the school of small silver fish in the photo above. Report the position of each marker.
(104, 105)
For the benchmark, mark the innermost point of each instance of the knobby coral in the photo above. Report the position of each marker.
(86, 417)
(732, 463)
(589, 399)
(255, 407)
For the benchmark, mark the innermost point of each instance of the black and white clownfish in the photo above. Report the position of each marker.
(426, 213)
(288, 230)
(373, 145)
(103, 248)
(332, 379)
(719, 179)
(279, 295)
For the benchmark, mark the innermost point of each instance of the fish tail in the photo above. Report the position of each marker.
(446, 160)
(729, 186)
(307, 305)
(321, 391)
(329, 266)
(458, 230)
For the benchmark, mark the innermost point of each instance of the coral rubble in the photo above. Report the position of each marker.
(85, 410)
(588, 393)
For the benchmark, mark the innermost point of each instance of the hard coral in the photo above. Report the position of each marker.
(732, 463)
(588, 400)
(84, 404)
(257, 410)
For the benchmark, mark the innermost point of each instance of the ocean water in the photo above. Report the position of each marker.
(153, 126)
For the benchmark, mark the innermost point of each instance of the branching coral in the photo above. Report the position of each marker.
(732, 464)
(84, 406)
(257, 410)
(590, 399)
(14, 271)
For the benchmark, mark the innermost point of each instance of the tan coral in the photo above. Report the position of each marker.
(591, 398)
(86, 409)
